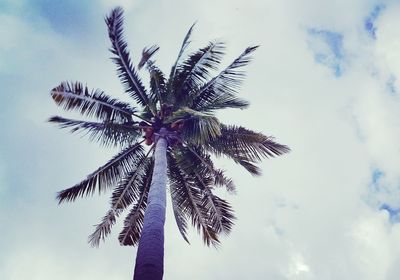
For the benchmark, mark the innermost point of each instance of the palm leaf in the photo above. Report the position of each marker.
(222, 101)
(103, 228)
(245, 147)
(133, 223)
(180, 216)
(250, 166)
(188, 201)
(197, 167)
(147, 53)
(125, 68)
(194, 160)
(220, 213)
(226, 83)
(128, 189)
(198, 128)
(223, 181)
(242, 141)
(107, 133)
(195, 70)
(105, 176)
(158, 85)
(75, 96)
(185, 44)
(127, 192)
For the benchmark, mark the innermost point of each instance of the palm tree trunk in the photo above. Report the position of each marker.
(150, 254)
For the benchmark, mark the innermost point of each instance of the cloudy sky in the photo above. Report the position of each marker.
(325, 81)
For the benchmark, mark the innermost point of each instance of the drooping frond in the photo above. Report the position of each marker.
(219, 211)
(133, 223)
(105, 176)
(195, 70)
(250, 166)
(199, 168)
(245, 147)
(127, 192)
(103, 228)
(223, 181)
(221, 214)
(223, 88)
(147, 53)
(181, 217)
(75, 96)
(198, 128)
(188, 203)
(128, 189)
(107, 133)
(125, 68)
(194, 160)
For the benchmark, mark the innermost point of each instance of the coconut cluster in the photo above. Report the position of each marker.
(157, 122)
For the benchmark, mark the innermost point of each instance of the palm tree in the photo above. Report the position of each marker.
(176, 119)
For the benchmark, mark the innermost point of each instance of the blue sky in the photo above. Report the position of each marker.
(324, 81)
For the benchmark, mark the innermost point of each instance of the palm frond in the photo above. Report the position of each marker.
(245, 147)
(147, 53)
(181, 217)
(188, 201)
(107, 133)
(222, 101)
(127, 192)
(220, 213)
(194, 160)
(103, 228)
(133, 223)
(250, 166)
(227, 83)
(158, 85)
(128, 189)
(75, 96)
(185, 44)
(223, 181)
(199, 127)
(195, 70)
(125, 68)
(105, 176)
(197, 167)
(242, 141)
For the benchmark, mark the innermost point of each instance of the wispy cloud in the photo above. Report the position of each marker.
(394, 213)
(327, 47)
(370, 21)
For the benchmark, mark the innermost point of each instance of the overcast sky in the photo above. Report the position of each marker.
(325, 81)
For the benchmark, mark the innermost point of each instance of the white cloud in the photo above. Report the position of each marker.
(376, 246)
(298, 267)
(387, 44)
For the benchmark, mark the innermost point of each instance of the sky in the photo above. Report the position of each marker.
(325, 82)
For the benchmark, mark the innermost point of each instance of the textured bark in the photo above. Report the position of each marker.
(150, 254)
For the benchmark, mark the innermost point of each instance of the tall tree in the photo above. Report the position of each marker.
(166, 137)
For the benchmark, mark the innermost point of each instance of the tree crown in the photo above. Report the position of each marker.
(183, 104)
